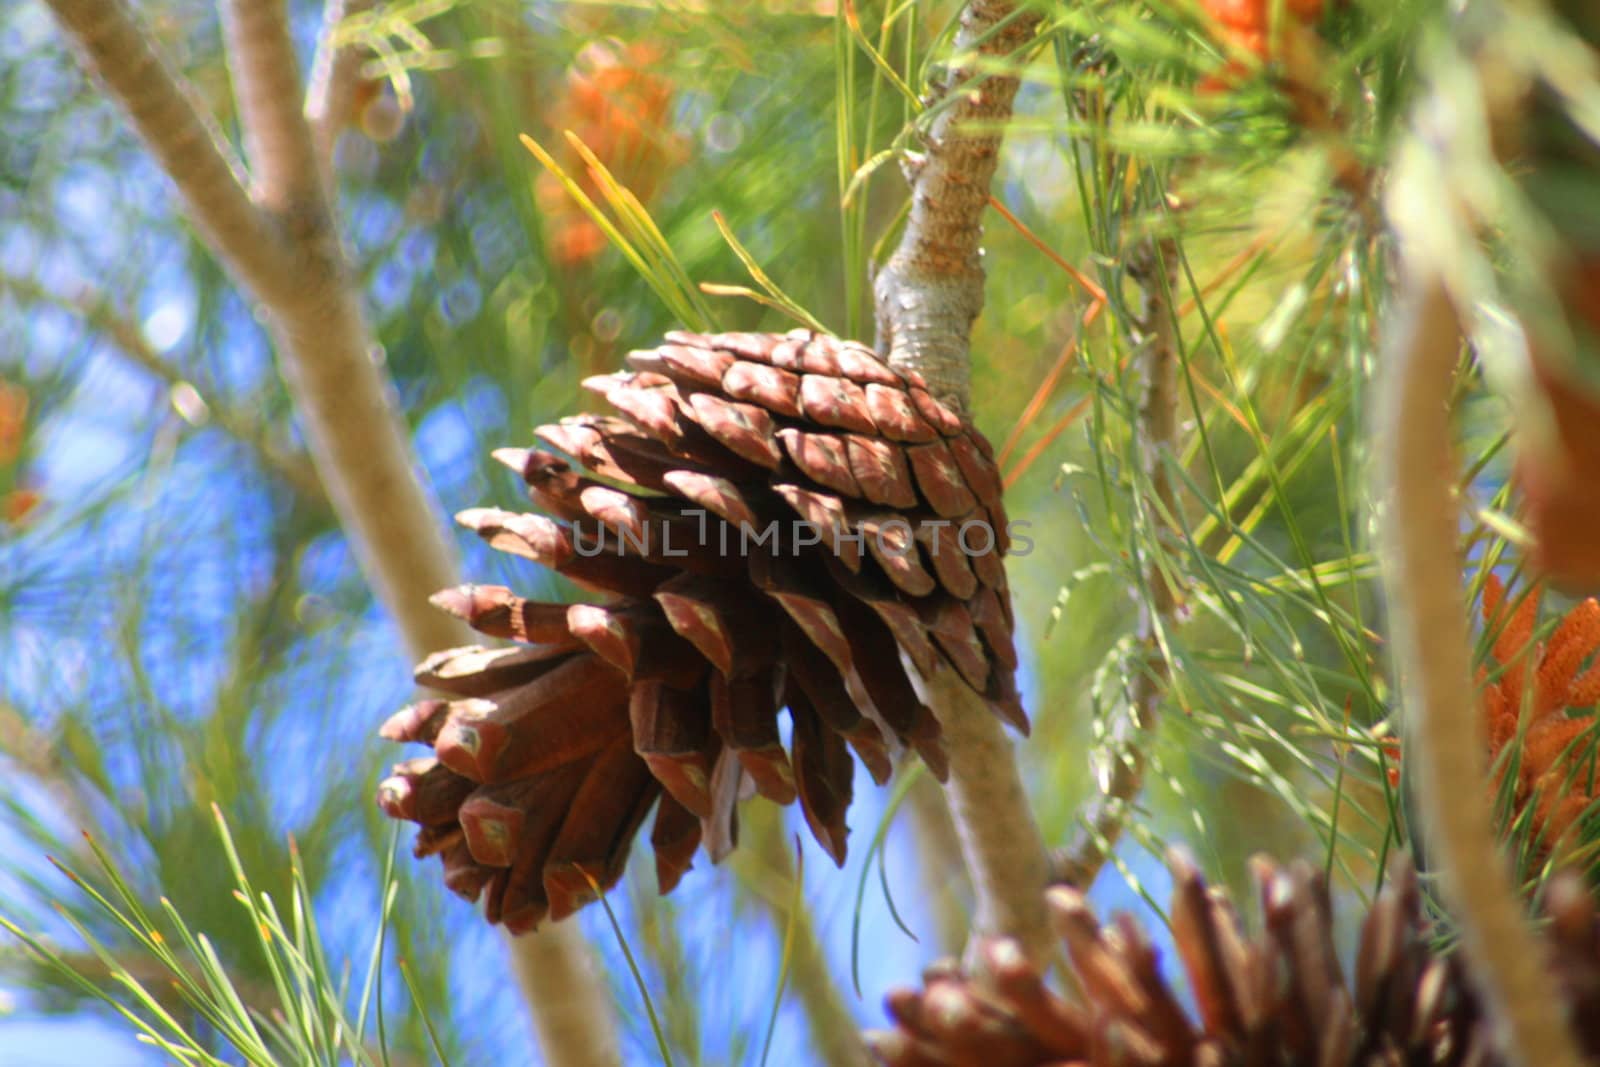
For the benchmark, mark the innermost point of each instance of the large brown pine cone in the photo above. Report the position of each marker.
(775, 521)
(1273, 999)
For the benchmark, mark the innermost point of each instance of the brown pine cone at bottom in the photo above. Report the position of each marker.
(1277, 997)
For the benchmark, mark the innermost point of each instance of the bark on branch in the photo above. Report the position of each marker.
(928, 295)
(284, 249)
(931, 290)
(266, 90)
(1428, 626)
(184, 139)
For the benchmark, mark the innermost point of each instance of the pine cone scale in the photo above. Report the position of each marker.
(515, 736)
(593, 843)
(742, 715)
(674, 838)
(672, 733)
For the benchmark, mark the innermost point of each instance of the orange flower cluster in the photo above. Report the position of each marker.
(16, 502)
(13, 419)
(1246, 26)
(1555, 765)
(621, 110)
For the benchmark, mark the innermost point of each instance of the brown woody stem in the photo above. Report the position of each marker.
(1417, 471)
(267, 93)
(931, 290)
(928, 295)
(184, 139)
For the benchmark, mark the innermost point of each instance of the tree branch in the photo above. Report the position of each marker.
(1155, 266)
(1000, 840)
(333, 367)
(931, 290)
(928, 295)
(180, 135)
(943, 878)
(1419, 533)
(266, 90)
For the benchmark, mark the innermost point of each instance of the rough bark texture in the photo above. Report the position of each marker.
(283, 249)
(931, 290)
(928, 295)
(1128, 747)
(1428, 625)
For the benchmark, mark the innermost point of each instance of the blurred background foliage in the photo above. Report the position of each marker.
(183, 625)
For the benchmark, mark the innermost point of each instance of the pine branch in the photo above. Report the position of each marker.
(182, 137)
(566, 995)
(326, 350)
(1128, 747)
(1433, 655)
(266, 91)
(1000, 840)
(931, 290)
(943, 879)
(928, 295)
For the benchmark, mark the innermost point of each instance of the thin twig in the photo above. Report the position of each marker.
(928, 295)
(98, 312)
(1155, 266)
(284, 248)
(266, 90)
(182, 137)
(1419, 535)
(931, 289)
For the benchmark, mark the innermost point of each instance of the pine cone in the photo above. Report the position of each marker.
(775, 521)
(1276, 998)
(1559, 468)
